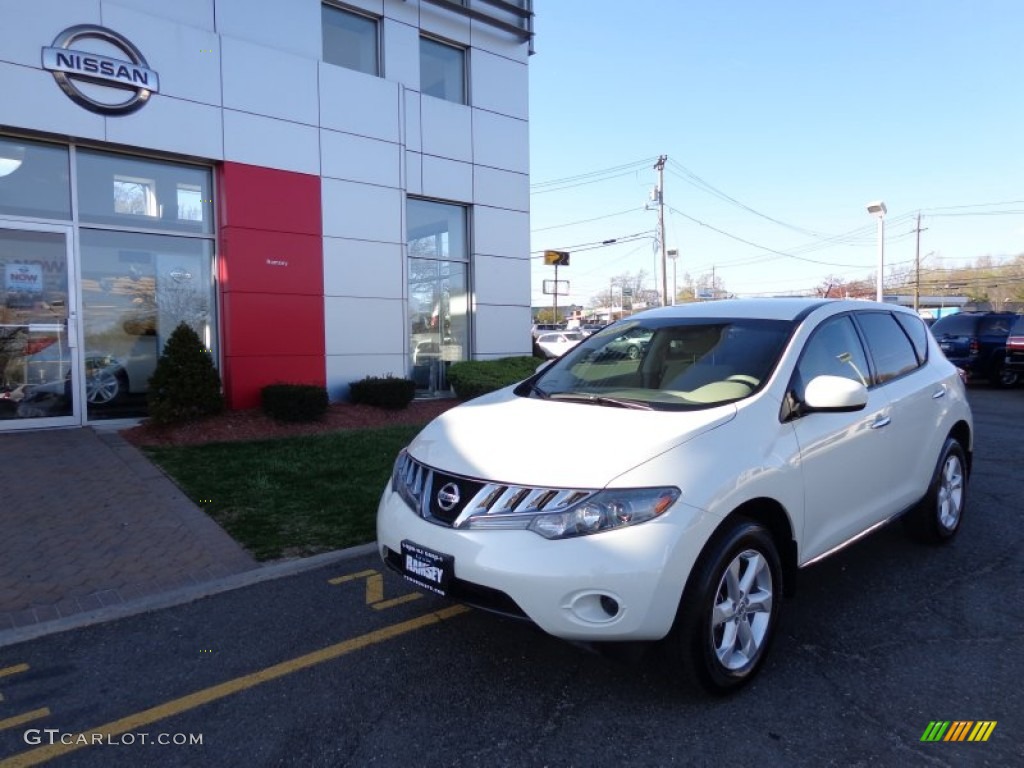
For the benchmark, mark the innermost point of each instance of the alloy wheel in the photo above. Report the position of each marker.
(743, 610)
(950, 497)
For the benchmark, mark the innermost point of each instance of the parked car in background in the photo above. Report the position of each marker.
(1014, 361)
(753, 437)
(557, 344)
(629, 344)
(976, 342)
(540, 328)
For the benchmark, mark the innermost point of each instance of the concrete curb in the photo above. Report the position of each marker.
(183, 595)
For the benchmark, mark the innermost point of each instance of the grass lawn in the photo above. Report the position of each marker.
(292, 496)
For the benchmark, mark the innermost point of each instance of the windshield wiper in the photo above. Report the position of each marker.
(602, 400)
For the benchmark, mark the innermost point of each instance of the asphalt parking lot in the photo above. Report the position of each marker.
(339, 666)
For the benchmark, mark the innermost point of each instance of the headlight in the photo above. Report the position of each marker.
(605, 511)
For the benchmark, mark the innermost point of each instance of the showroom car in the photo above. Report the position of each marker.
(43, 373)
(751, 439)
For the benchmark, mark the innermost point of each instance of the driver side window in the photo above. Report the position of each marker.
(835, 349)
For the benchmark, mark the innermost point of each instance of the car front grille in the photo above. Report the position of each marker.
(453, 500)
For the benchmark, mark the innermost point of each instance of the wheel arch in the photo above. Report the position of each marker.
(961, 432)
(773, 516)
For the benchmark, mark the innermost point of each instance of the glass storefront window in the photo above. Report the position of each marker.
(143, 194)
(136, 289)
(34, 179)
(36, 357)
(438, 292)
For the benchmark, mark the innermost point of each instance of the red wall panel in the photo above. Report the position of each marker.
(272, 324)
(271, 280)
(269, 199)
(271, 262)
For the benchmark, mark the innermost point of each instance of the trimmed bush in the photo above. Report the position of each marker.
(388, 392)
(472, 378)
(294, 402)
(185, 385)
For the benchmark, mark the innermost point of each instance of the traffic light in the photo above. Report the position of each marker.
(556, 258)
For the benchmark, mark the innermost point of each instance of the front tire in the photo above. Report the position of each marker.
(936, 519)
(105, 387)
(729, 610)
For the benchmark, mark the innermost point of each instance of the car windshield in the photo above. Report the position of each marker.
(667, 363)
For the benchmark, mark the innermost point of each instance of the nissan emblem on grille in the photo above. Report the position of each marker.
(448, 496)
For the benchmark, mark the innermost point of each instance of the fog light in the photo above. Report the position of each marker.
(610, 606)
(595, 608)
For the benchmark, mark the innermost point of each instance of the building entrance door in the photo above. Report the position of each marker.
(40, 365)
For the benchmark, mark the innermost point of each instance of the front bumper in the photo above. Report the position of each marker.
(623, 584)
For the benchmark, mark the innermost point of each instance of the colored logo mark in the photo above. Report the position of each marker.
(958, 730)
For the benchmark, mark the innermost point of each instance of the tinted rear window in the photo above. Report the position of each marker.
(955, 325)
(995, 324)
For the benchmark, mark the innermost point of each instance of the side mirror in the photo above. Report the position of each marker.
(834, 393)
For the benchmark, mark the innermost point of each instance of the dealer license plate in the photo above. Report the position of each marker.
(426, 568)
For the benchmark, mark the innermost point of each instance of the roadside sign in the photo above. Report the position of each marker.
(556, 258)
(556, 287)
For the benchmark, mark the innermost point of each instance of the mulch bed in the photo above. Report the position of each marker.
(254, 425)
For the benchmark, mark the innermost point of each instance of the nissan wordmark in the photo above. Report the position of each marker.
(750, 438)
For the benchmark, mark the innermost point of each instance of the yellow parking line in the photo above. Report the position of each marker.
(25, 717)
(351, 577)
(13, 670)
(397, 601)
(238, 684)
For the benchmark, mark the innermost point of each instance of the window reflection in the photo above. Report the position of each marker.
(438, 292)
(34, 179)
(141, 193)
(136, 288)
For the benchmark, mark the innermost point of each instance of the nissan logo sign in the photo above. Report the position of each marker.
(73, 68)
(448, 496)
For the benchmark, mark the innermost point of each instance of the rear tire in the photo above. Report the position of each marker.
(937, 517)
(1000, 377)
(729, 611)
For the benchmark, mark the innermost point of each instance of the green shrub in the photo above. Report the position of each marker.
(388, 392)
(185, 385)
(294, 402)
(472, 378)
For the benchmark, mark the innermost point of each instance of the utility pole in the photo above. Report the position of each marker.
(660, 168)
(917, 263)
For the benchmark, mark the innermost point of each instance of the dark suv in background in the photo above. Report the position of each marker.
(976, 342)
(1014, 363)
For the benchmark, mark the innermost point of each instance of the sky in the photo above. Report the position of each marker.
(781, 122)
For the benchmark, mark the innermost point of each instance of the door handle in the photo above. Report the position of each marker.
(940, 392)
(880, 421)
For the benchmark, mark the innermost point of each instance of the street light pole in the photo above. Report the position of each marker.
(878, 210)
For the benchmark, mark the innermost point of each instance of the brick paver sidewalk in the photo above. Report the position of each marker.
(87, 522)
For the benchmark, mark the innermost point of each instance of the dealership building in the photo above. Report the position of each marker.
(323, 191)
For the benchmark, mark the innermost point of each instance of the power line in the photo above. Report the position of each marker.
(587, 221)
(591, 177)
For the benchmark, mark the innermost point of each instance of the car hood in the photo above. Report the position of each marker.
(505, 438)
